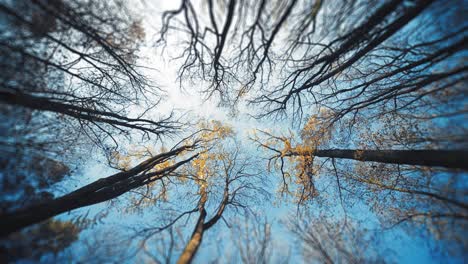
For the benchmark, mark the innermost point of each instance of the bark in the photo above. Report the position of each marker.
(453, 159)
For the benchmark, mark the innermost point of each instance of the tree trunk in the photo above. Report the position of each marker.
(99, 191)
(36, 213)
(454, 159)
(195, 240)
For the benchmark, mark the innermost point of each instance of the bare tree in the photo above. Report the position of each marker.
(252, 238)
(330, 241)
(238, 179)
(222, 178)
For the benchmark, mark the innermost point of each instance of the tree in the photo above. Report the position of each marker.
(231, 168)
(429, 197)
(99, 191)
(254, 242)
(30, 175)
(221, 177)
(326, 241)
(455, 159)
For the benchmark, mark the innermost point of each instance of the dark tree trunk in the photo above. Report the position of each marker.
(99, 191)
(36, 213)
(454, 159)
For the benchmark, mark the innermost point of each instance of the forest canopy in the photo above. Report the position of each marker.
(233, 131)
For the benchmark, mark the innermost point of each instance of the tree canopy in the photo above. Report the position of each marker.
(234, 131)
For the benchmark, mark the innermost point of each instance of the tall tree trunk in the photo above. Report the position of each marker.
(36, 213)
(454, 159)
(195, 240)
(99, 191)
